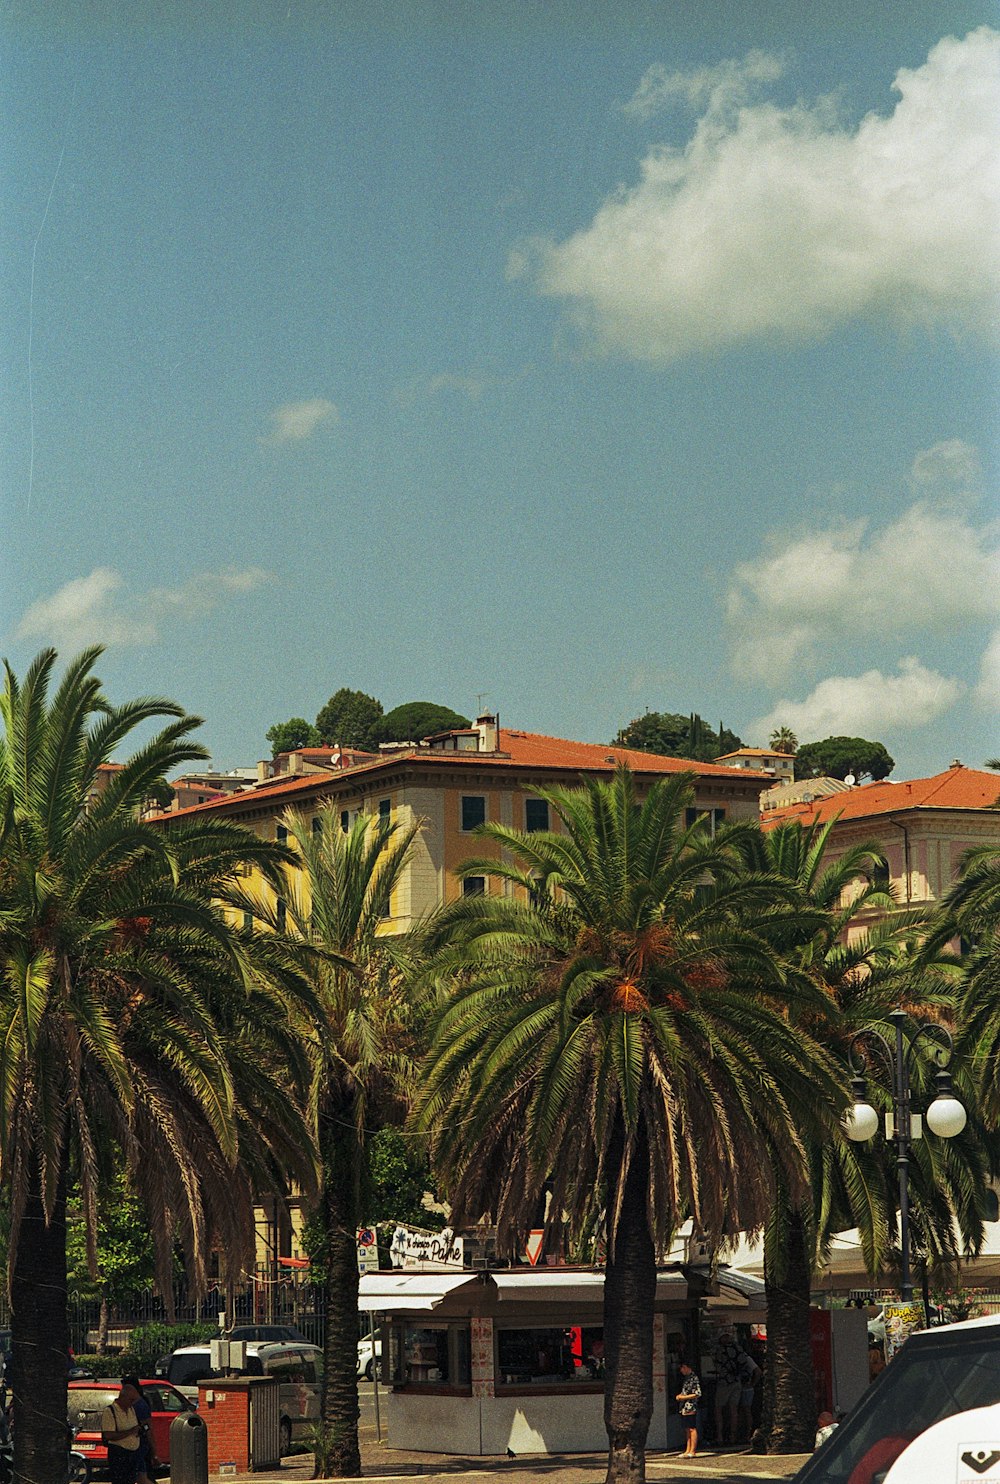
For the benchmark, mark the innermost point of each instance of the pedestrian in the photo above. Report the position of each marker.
(120, 1431)
(750, 1374)
(728, 1386)
(826, 1424)
(688, 1398)
(148, 1461)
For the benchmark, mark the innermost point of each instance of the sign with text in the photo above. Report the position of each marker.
(367, 1249)
(416, 1249)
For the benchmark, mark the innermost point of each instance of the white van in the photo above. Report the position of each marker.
(298, 1369)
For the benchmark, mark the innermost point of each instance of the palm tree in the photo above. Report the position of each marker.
(338, 900)
(865, 974)
(615, 1032)
(971, 912)
(783, 739)
(133, 1033)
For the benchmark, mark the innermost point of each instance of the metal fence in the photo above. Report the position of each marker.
(261, 1299)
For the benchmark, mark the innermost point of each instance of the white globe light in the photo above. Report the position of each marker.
(946, 1117)
(860, 1122)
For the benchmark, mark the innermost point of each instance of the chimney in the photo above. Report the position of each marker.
(486, 726)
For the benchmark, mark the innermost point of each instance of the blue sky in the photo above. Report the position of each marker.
(592, 358)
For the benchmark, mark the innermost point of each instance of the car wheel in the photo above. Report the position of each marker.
(369, 1370)
(284, 1437)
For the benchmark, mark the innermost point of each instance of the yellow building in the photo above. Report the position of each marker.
(453, 782)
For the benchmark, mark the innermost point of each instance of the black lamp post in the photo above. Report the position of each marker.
(946, 1116)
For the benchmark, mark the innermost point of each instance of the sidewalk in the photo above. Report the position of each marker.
(386, 1464)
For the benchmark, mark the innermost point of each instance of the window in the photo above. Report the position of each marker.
(880, 876)
(281, 834)
(474, 886)
(473, 811)
(170, 1400)
(247, 922)
(711, 818)
(316, 825)
(431, 1355)
(550, 1356)
(536, 815)
(384, 810)
(345, 820)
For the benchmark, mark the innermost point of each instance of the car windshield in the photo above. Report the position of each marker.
(86, 1403)
(188, 1370)
(923, 1385)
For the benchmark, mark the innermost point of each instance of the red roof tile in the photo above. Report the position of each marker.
(958, 788)
(527, 750)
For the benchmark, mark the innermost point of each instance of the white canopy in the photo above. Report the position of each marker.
(397, 1291)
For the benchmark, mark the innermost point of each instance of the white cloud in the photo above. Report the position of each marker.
(953, 463)
(473, 385)
(931, 569)
(295, 421)
(988, 689)
(714, 88)
(865, 705)
(784, 222)
(95, 610)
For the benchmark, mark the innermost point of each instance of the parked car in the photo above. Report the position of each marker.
(938, 1373)
(367, 1359)
(258, 1332)
(297, 1368)
(88, 1399)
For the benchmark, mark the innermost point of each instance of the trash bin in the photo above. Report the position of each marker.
(188, 1449)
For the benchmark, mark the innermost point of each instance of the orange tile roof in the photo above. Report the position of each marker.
(527, 750)
(754, 752)
(958, 788)
(532, 749)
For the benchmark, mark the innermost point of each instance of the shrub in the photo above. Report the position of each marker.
(148, 1342)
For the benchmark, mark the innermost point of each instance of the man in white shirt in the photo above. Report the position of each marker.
(120, 1431)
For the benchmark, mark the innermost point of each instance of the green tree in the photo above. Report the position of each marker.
(417, 719)
(621, 1037)
(971, 912)
(673, 735)
(126, 1259)
(783, 739)
(863, 975)
(350, 718)
(286, 736)
(357, 1041)
(835, 757)
(133, 1032)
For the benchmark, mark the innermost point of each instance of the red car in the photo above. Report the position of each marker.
(87, 1400)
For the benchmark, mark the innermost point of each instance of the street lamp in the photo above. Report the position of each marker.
(946, 1116)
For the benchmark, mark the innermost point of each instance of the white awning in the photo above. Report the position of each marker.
(396, 1292)
(549, 1285)
(557, 1285)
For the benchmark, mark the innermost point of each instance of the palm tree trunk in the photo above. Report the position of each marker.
(629, 1291)
(40, 1340)
(103, 1322)
(790, 1388)
(338, 1453)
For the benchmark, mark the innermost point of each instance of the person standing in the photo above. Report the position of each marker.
(120, 1431)
(750, 1374)
(728, 1386)
(147, 1456)
(687, 1401)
